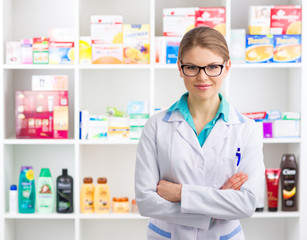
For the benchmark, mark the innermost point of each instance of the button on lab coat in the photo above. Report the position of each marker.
(169, 150)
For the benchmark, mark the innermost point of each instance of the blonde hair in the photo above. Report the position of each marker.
(204, 37)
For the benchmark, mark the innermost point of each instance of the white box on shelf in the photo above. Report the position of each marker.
(286, 128)
(13, 52)
(237, 45)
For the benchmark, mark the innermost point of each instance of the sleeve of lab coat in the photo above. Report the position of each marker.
(230, 204)
(150, 204)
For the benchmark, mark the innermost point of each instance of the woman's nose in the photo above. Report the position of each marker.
(202, 74)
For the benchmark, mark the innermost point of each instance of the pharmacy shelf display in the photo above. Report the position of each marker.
(94, 87)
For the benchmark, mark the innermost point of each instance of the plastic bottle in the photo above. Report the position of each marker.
(87, 196)
(102, 196)
(26, 192)
(45, 196)
(289, 173)
(64, 199)
(13, 199)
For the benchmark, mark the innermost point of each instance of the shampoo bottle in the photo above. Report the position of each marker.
(64, 199)
(45, 192)
(87, 196)
(289, 182)
(26, 190)
(102, 196)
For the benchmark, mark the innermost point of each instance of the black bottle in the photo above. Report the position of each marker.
(65, 193)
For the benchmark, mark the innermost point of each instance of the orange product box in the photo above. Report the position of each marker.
(214, 17)
(286, 20)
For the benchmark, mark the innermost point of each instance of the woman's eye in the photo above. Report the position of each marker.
(191, 67)
(212, 67)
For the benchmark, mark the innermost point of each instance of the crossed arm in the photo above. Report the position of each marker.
(172, 191)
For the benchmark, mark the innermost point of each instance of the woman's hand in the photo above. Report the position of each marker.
(169, 191)
(236, 181)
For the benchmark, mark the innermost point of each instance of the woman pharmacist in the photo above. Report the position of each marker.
(200, 163)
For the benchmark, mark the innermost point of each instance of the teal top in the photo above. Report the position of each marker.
(182, 106)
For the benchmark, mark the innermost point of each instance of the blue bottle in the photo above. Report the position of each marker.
(26, 190)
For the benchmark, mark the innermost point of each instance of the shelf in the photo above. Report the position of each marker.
(38, 66)
(108, 142)
(115, 66)
(112, 216)
(276, 215)
(39, 141)
(266, 65)
(39, 216)
(281, 140)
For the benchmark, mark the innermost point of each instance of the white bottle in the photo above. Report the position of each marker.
(13, 199)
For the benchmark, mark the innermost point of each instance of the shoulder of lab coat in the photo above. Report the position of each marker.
(147, 176)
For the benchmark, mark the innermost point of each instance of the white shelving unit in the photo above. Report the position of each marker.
(94, 87)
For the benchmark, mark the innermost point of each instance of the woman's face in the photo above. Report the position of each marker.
(202, 87)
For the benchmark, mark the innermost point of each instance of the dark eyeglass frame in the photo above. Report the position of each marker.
(204, 68)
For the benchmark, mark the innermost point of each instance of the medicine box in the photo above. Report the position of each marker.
(237, 45)
(136, 43)
(83, 124)
(107, 28)
(137, 123)
(61, 52)
(177, 21)
(85, 52)
(160, 47)
(41, 114)
(106, 53)
(97, 127)
(40, 49)
(137, 107)
(50, 83)
(61, 35)
(286, 128)
(259, 48)
(287, 48)
(119, 128)
(214, 17)
(26, 51)
(286, 19)
(172, 47)
(259, 20)
(13, 53)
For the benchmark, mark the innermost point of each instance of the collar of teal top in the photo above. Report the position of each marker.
(182, 106)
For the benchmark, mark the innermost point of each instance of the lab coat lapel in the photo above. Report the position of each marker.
(219, 132)
(189, 135)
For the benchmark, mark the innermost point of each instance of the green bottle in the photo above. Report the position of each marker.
(26, 190)
(45, 196)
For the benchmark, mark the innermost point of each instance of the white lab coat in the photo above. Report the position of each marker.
(169, 150)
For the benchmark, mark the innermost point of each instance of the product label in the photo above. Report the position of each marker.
(259, 49)
(289, 189)
(287, 48)
(64, 196)
(89, 201)
(102, 201)
(286, 20)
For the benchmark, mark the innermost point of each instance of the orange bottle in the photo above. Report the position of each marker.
(87, 196)
(102, 196)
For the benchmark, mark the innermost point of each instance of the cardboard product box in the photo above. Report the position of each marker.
(136, 43)
(267, 129)
(259, 49)
(85, 52)
(83, 124)
(286, 20)
(119, 128)
(214, 17)
(26, 51)
(97, 127)
(177, 21)
(41, 114)
(49, 83)
(137, 123)
(13, 53)
(160, 47)
(106, 53)
(259, 20)
(237, 45)
(40, 49)
(107, 28)
(61, 52)
(287, 48)
(61, 35)
(286, 128)
(172, 47)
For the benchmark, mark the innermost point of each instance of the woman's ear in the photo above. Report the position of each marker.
(228, 65)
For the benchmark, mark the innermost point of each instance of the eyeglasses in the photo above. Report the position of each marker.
(212, 70)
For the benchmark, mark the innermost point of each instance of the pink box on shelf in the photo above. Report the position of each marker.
(267, 129)
(42, 114)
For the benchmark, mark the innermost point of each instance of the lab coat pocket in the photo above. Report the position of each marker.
(235, 234)
(158, 230)
(225, 168)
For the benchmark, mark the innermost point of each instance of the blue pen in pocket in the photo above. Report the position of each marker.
(238, 154)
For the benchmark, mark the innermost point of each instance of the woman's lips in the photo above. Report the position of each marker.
(203, 86)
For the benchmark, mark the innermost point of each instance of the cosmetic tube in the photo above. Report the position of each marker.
(272, 181)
